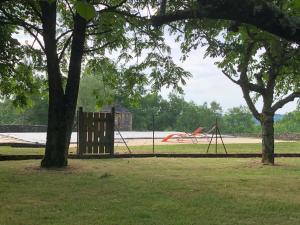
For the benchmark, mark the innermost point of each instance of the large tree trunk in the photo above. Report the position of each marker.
(57, 145)
(55, 149)
(62, 104)
(267, 124)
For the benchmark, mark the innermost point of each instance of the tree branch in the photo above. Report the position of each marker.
(35, 9)
(286, 100)
(230, 78)
(70, 8)
(100, 33)
(35, 37)
(246, 94)
(163, 7)
(9, 19)
(63, 34)
(246, 87)
(99, 48)
(124, 13)
(16, 21)
(259, 79)
(111, 8)
(64, 48)
(244, 82)
(255, 88)
(259, 13)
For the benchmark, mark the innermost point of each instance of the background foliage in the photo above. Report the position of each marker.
(174, 113)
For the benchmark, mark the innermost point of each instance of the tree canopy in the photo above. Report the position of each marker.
(278, 17)
(264, 64)
(66, 35)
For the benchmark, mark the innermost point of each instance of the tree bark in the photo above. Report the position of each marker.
(55, 151)
(62, 104)
(267, 124)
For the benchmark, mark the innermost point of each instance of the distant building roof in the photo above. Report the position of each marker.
(118, 108)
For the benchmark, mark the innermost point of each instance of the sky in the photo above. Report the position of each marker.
(208, 83)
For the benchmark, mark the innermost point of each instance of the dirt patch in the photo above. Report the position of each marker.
(227, 140)
(158, 141)
(70, 169)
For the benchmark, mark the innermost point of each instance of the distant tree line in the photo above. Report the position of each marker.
(178, 114)
(34, 114)
(173, 114)
(290, 123)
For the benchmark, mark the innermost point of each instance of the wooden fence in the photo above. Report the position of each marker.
(95, 132)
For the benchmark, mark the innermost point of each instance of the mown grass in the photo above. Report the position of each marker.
(6, 150)
(281, 147)
(151, 191)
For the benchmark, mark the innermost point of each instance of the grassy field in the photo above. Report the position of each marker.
(282, 147)
(151, 191)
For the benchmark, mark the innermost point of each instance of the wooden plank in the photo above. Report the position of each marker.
(113, 114)
(101, 133)
(84, 132)
(80, 137)
(108, 133)
(93, 128)
(96, 133)
(90, 132)
(77, 130)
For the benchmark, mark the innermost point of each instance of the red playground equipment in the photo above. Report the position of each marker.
(186, 136)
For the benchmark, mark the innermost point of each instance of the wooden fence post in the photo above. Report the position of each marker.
(112, 152)
(80, 130)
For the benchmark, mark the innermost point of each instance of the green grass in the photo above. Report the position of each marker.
(21, 151)
(281, 147)
(151, 191)
(5, 150)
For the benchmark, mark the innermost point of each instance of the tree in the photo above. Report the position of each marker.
(8, 113)
(37, 112)
(34, 113)
(257, 61)
(238, 120)
(173, 114)
(290, 123)
(69, 33)
(174, 109)
(265, 65)
(277, 17)
(143, 111)
(216, 108)
(98, 85)
(15, 72)
(194, 116)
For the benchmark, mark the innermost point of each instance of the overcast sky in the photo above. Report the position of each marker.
(208, 83)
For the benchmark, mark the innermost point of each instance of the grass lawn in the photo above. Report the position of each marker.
(282, 147)
(151, 191)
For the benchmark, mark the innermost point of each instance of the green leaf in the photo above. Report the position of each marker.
(86, 10)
